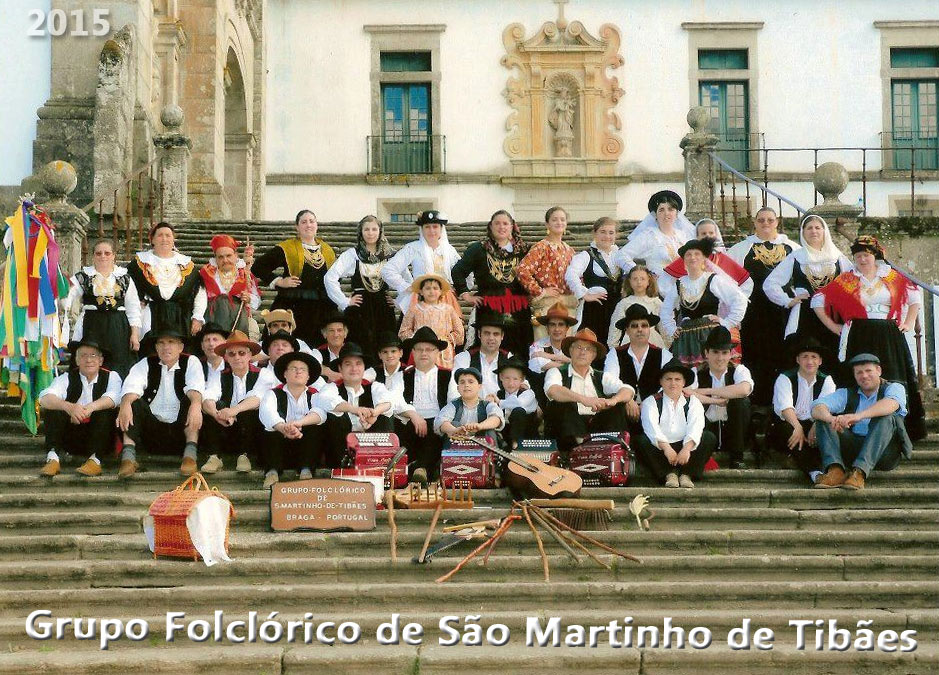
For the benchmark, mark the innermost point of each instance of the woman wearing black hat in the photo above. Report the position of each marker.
(370, 307)
(304, 260)
(493, 263)
(700, 301)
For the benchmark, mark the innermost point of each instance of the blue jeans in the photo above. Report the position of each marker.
(880, 449)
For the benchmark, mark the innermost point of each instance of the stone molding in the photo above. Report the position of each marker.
(722, 25)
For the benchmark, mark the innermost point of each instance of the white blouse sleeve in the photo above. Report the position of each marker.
(634, 248)
(779, 277)
(730, 295)
(575, 271)
(200, 305)
(132, 304)
(395, 272)
(343, 267)
(668, 312)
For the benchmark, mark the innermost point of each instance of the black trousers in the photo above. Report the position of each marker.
(279, 453)
(93, 437)
(337, 427)
(519, 424)
(732, 433)
(652, 456)
(564, 423)
(423, 453)
(808, 459)
(243, 437)
(158, 438)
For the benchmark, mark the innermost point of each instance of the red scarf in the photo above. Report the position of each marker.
(728, 265)
(843, 296)
(213, 290)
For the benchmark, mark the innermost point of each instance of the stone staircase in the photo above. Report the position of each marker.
(744, 544)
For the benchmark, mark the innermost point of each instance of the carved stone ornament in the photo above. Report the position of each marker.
(562, 96)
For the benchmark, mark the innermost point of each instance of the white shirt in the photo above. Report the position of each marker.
(330, 397)
(486, 367)
(297, 408)
(580, 263)
(343, 268)
(394, 382)
(782, 395)
(409, 263)
(782, 276)
(168, 274)
(672, 426)
(536, 364)
(165, 405)
(733, 303)
(265, 382)
(524, 398)
(469, 416)
(657, 248)
(425, 393)
(611, 363)
(718, 413)
(584, 385)
(59, 387)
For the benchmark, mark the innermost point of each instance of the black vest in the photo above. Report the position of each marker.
(705, 372)
(153, 378)
(324, 353)
(365, 400)
(74, 390)
(227, 380)
(646, 382)
(89, 297)
(854, 398)
(707, 304)
(281, 395)
(660, 403)
(443, 382)
(801, 280)
(476, 359)
(793, 377)
(458, 412)
(380, 373)
(607, 281)
(567, 378)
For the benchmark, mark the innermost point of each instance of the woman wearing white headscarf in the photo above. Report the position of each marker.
(806, 270)
(430, 254)
(658, 237)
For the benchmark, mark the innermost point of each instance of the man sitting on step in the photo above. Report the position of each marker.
(861, 427)
(282, 320)
(545, 353)
(161, 404)
(724, 388)
(489, 356)
(231, 402)
(335, 330)
(354, 404)
(79, 410)
(210, 336)
(469, 414)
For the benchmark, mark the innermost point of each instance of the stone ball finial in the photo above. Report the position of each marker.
(698, 118)
(831, 179)
(59, 179)
(171, 116)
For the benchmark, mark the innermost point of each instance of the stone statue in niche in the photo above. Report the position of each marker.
(561, 120)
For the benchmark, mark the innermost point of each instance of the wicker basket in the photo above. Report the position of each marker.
(169, 512)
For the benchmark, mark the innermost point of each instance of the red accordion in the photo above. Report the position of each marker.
(367, 454)
(466, 463)
(605, 460)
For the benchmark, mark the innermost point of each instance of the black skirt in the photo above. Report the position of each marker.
(372, 317)
(110, 330)
(596, 315)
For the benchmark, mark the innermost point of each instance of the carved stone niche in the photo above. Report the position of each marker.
(563, 123)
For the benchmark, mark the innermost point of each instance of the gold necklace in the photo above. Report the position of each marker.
(691, 302)
(315, 258)
(227, 278)
(502, 271)
(770, 255)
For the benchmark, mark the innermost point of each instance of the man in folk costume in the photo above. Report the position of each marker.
(210, 336)
(79, 410)
(355, 404)
(489, 356)
(546, 353)
(335, 331)
(861, 427)
(231, 290)
(762, 328)
(231, 403)
(581, 399)
(290, 414)
(427, 389)
(161, 404)
(282, 320)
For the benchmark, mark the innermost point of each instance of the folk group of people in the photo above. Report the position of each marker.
(672, 336)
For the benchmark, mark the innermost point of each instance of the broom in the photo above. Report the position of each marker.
(581, 514)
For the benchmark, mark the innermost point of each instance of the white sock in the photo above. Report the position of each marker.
(52, 456)
(814, 474)
(95, 459)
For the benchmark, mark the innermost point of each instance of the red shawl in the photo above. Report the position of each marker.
(843, 296)
(722, 261)
(243, 280)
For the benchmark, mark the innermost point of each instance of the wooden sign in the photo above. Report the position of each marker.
(322, 504)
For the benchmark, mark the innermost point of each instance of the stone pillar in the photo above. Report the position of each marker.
(695, 147)
(831, 179)
(174, 166)
(59, 179)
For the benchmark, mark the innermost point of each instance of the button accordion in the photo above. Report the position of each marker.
(368, 454)
(463, 462)
(605, 460)
(543, 449)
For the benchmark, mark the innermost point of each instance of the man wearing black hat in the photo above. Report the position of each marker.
(427, 389)
(335, 330)
(290, 414)
(355, 404)
(79, 410)
(725, 389)
(161, 404)
(210, 336)
(861, 427)
(489, 356)
(674, 443)
(793, 430)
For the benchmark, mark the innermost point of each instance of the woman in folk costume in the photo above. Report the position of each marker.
(800, 276)
(701, 300)
(170, 290)
(493, 263)
(657, 237)
(761, 332)
(871, 308)
(231, 290)
(108, 308)
(370, 307)
(594, 278)
(718, 262)
(301, 287)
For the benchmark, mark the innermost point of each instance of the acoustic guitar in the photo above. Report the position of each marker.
(532, 477)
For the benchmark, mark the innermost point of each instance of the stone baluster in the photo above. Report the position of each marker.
(175, 148)
(831, 179)
(695, 147)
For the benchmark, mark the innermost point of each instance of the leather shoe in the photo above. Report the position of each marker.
(270, 479)
(213, 464)
(50, 469)
(127, 469)
(832, 478)
(89, 468)
(188, 467)
(855, 481)
(243, 465)
(671, 480)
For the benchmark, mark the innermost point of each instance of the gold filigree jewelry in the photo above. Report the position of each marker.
(770, 255)
(820, 279)
(228, 278)
(370, 273)
(689, 301)
(873, 289)
(106, 291)
(503, 270)
(315, 258)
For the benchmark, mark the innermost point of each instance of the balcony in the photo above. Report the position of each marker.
(406, 155)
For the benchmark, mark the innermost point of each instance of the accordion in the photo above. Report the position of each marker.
(605, 460)
(543, 449)
(465, 463)
(368, 454)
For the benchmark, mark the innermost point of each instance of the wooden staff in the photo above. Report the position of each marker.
(583, 536)
(556, 535)
(506, 523)
(390, 506)
(493, 547)
(534, 531)
(430, 532)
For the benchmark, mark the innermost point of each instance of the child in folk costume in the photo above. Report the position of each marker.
(594, 278)
(639, 288)
(469, 415)
(517, 401)
(434, 313)
(231, 289)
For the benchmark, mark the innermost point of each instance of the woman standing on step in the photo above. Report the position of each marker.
(493, 262)
(595, 279)
(168, 285)
(303, 261)
(370, 308)
(109, 310)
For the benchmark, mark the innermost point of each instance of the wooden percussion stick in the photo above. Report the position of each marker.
(430, 532)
